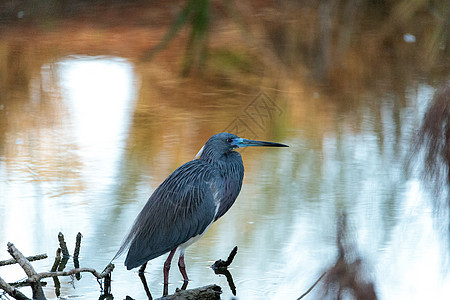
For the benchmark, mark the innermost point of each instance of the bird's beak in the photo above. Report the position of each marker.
(240, 143)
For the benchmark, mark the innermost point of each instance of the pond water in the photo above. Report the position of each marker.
(81, 151)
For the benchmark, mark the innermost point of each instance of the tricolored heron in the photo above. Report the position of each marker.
(185, 205)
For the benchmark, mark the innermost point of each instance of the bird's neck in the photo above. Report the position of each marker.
(223, 162)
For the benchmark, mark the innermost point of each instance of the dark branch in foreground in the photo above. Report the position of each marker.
(224, 264)
(210, 292)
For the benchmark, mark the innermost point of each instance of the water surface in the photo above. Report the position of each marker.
(86, 139)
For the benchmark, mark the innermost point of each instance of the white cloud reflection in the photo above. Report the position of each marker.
(99, 94)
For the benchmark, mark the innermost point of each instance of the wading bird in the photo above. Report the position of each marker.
(185, 205)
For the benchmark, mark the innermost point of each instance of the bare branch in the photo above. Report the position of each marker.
(29, 258)
(94, 272)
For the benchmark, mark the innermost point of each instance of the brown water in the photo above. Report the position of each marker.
(86, 136)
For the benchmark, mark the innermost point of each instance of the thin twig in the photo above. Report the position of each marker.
(310, 289)
(12, 261)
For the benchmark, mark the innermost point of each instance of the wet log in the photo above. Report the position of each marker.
(209, 292)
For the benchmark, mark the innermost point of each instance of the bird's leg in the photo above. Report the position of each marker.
(142, 268)
(167, 266)
(182, 267)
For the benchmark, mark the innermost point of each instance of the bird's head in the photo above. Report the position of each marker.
(225, 142)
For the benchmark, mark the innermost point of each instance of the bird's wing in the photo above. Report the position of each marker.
(182, 207)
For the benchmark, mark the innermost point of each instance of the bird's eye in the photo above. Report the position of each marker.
(229, 140)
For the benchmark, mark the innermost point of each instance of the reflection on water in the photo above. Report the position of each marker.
(61, 170)
(99, 95)
(84, 140)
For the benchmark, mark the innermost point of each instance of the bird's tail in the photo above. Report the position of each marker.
(121, 250)
(125, 244)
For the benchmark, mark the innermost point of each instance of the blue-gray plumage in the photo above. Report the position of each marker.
(184, 206)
